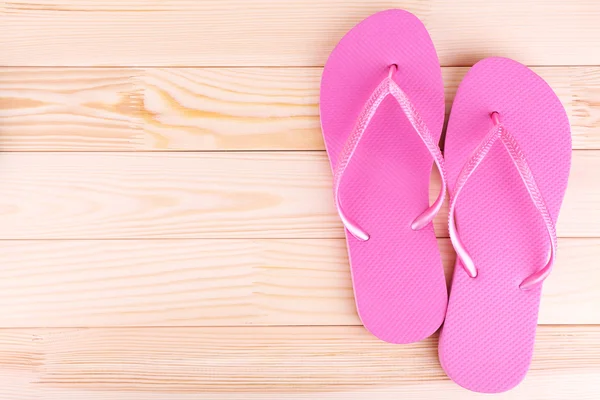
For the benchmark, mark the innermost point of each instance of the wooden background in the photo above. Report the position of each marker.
(167, 228)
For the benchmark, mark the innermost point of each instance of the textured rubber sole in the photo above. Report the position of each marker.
(487, 339)
(397, 275)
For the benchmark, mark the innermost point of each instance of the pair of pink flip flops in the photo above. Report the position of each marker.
(507, 159)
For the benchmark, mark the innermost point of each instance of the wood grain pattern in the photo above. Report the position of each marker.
(227, 283)
(268, 363)
(208, 195)
(100, 109)
(70, 109)
(166, 212)
(290, 33)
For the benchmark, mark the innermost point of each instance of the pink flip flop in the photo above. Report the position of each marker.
(508, 155)
(382, 110)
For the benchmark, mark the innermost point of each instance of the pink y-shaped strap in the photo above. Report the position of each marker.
(499, 131)
(385, 88)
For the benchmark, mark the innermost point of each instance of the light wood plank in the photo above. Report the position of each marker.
(208, 195)
(98, 109)
(227, 283)
(233, 109)
(93, 109)
(269, 363)
(284, 33)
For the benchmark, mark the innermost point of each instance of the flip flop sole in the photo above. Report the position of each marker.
(397, 275)
(487, 339)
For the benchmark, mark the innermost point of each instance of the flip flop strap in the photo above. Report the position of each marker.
(510, 143)
(385, 88)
